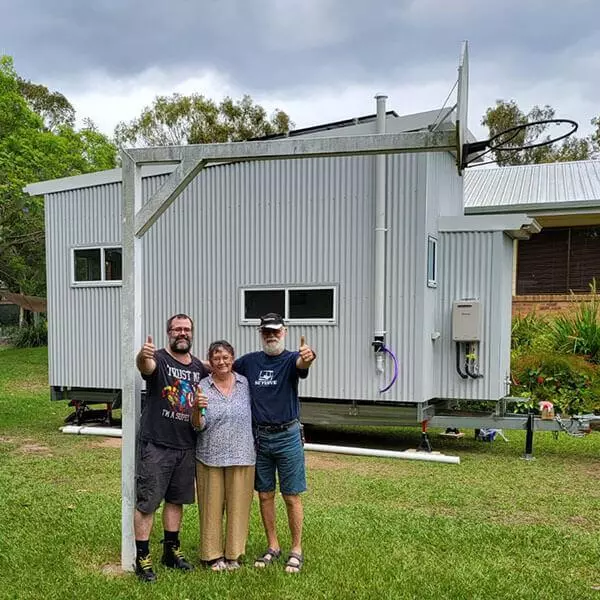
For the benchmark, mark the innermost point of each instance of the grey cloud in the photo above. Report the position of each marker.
(274, 44)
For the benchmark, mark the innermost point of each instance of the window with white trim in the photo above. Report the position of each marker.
(315, 304)
(431, 261)
(97, 266)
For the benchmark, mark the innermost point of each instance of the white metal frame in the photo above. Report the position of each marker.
(432, 242)
(286, 289)
(138, 217)
(103, 282)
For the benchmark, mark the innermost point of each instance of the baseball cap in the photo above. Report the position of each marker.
(271, 321)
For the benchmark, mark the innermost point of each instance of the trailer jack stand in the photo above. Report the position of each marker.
(529, 439)
(425, 445)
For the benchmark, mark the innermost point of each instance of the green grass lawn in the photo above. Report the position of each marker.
(494, 526)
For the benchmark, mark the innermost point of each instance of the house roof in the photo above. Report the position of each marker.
(324, 127)
(357, 126)
(542, 187)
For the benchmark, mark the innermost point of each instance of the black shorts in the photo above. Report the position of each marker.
(164, 474)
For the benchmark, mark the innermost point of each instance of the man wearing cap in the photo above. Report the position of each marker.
(273, 375)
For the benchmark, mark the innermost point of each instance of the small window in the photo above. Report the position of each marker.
(311, 304)
(87, 265)
(295, 304)
(97, 265)
(431, 262)
(261, 302)
(112, 264)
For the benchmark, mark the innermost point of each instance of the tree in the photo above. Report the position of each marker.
(508, 114)
(31, 151)
(194, 119)
(596, 137)
(53, 107)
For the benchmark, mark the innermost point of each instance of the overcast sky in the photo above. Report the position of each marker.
(319, 60)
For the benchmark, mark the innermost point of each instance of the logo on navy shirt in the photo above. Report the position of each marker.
(266, 378)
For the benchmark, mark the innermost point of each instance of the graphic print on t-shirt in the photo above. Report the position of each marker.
(266, 378)
(180, 393)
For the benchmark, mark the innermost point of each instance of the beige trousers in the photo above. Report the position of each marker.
(229, 491)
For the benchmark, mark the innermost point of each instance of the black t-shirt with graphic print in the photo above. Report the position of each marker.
(166, 415)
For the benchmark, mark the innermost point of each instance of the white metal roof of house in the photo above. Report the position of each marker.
(543, 187)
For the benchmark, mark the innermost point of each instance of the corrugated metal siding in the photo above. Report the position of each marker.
(404, 288)
(476, 265)
(444, 198)
(523, 186)
(298, 222)
(84, 323)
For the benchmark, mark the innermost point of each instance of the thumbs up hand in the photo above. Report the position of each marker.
(148, 349)
(307, 355)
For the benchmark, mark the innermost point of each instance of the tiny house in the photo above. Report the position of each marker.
(406, 300)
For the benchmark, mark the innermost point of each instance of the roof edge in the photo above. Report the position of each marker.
(516, 225)
(539, 207)
(77, 182)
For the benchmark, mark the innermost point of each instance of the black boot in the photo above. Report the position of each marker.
(173, 557)
(143, 569)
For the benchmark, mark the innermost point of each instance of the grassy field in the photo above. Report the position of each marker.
(494, 526)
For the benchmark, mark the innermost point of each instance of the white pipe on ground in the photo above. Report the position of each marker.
(406, 455)
(86, 430)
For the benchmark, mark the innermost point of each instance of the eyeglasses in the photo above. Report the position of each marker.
(180, 330)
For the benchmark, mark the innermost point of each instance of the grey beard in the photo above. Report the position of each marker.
(274, 348)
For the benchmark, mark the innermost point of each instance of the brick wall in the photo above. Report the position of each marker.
(546, 304)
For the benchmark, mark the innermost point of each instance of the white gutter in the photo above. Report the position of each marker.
(406, 455)
(380, 236)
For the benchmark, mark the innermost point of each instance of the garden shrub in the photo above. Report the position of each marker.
(578, 332)
(30, 336)
(568, 381)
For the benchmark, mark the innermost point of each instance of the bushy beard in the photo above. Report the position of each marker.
(273, 347)
(178, 348)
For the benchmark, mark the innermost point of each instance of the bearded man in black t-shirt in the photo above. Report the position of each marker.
(167, 442)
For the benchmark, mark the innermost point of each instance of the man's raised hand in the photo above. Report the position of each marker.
(148, 349)
(306, 353)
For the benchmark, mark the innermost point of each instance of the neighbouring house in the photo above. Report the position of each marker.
(564, 258)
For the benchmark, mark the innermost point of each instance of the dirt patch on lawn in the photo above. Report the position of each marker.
(331, 462)
(108, 442)
(592, 472)
(112, 570)
(31, 447)
(33, 387)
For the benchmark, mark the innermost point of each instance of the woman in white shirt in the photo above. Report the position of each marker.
(225, 459)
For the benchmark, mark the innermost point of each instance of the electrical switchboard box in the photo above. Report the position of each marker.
(466, 321)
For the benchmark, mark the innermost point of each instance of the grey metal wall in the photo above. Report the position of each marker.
(296, 222)
(84, 323)
(444, 198)
(300, 222)
(476, 265)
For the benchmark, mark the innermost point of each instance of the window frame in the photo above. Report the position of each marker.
(432, 242)
(103, 282)
(286, 289)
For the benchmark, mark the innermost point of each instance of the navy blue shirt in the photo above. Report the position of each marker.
(273, 384)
